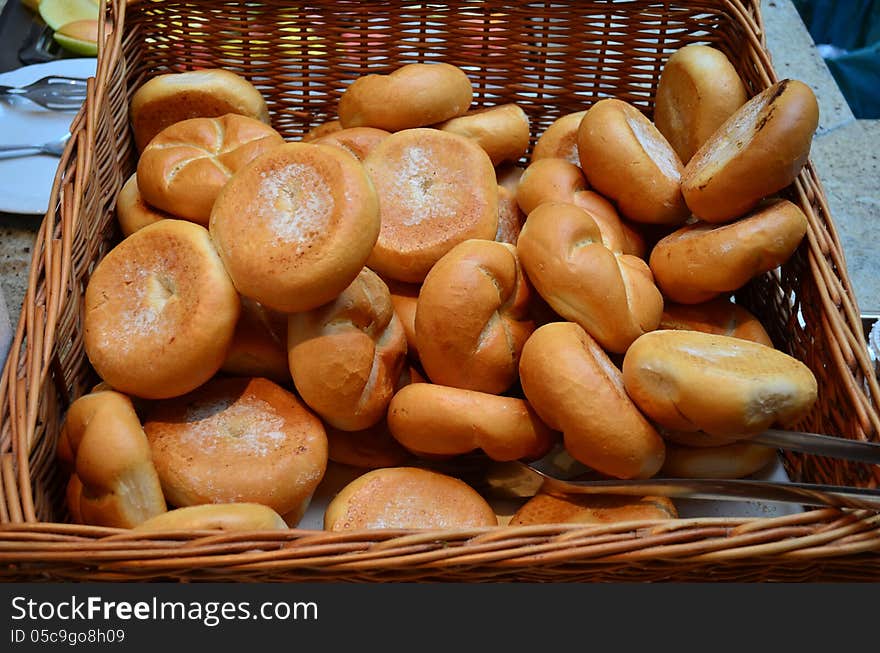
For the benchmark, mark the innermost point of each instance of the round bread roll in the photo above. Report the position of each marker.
(720, 316)
(414, 95)
(369, 448)
(549, 180)
(725, 386)
(734, 460)
(160, 311)
(259, 344)
(546, 508)
(510, 217)
(210, 93)
(574, 387)
(438, 420)
(295, 227)
(626, 159)
(559, 140)
(346, 356)
(404, 298)
(324, 129)
(407, 497)
(472, 317)
(701, 261)
(358, 141)
(185, 166)
(220, 516)
(502, 131)
(435, 190)
(758, 151)
(132, 211)
(611, 295)
(238, 440)
(698, 90)
(120, 490)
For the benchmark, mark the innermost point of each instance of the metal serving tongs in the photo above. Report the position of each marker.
(52, 92)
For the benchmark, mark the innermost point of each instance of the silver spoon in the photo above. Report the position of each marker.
(53, 148)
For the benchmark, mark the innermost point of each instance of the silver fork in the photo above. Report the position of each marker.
(53, 148)
(53, 92)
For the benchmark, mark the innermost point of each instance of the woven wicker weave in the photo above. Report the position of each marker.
(551, 59)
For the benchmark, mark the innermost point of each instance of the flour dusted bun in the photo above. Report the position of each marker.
(167, 99)
(720, 316)
(698, 90)
(132, 211)
(160, 311)
(238, 440)
(414, 95)
(259, 344)
(407, 497)
(559, 140)
(591, 509)
(502, 131)
(734, 460)
(120, 490)
(296, 225)
(758, 151)
(358, 141)
(219, 516)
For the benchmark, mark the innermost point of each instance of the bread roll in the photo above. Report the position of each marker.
(346, 356)
(472, 317)
(220, 516)
(574, 387)
(626, 159)
(323, 129)
(690, 381)
(591, 509)
(439, 420)
(559, 140)
(238, 440)
(548, 180)
(358, 141)
(259, 344)
(435, 190)
(185, 166)
(160, 311)
(720, 316)
(701, 261)
(407, 497)
(502, 131)
(414, 95)
(734, 460)
(758, 151)
(611, 295)
(173, 97)
(120, 490)
(132, 211)
(698, 90)
(295, 227)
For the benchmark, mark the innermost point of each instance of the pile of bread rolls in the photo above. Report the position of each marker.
(408, 282)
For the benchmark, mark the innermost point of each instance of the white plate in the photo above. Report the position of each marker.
(26, 182)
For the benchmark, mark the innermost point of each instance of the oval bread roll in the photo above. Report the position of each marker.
(132, 211)
(701, 260)
(628, 161)
(438, 420)
(574, 387)
(559, 140)
(720, 316)
(734, 460)
(219, 516)
(502, 131)
(758, 151)
(414, 95)
(358, 141)
(690, 381)
(591, 509)
(698, 90)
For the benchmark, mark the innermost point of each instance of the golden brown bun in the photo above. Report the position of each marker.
(369, 448)
(167, 99)
(296, 226)
(259, 344)
(438, 420)
(324, 129)
(574, 387)
(346, 356)
(119, 490)
(734, 460)
(759, 150)
(414, 95)
(510, 217)
(698, 90)
(702, 260)
(626, 159)
(549, 180)
(591, 509)
(160, 311)
(689, 381)
(502, 131)
(358, 141)
(405, 297)
(407, 497)
(238, 440)
(132, 211)
(435, 190)
(185, 166)
(559, 140)
(219, 516)
(720, 316)
(472, 317)
(610, 295)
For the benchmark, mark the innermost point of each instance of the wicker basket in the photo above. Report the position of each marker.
(551, 58)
